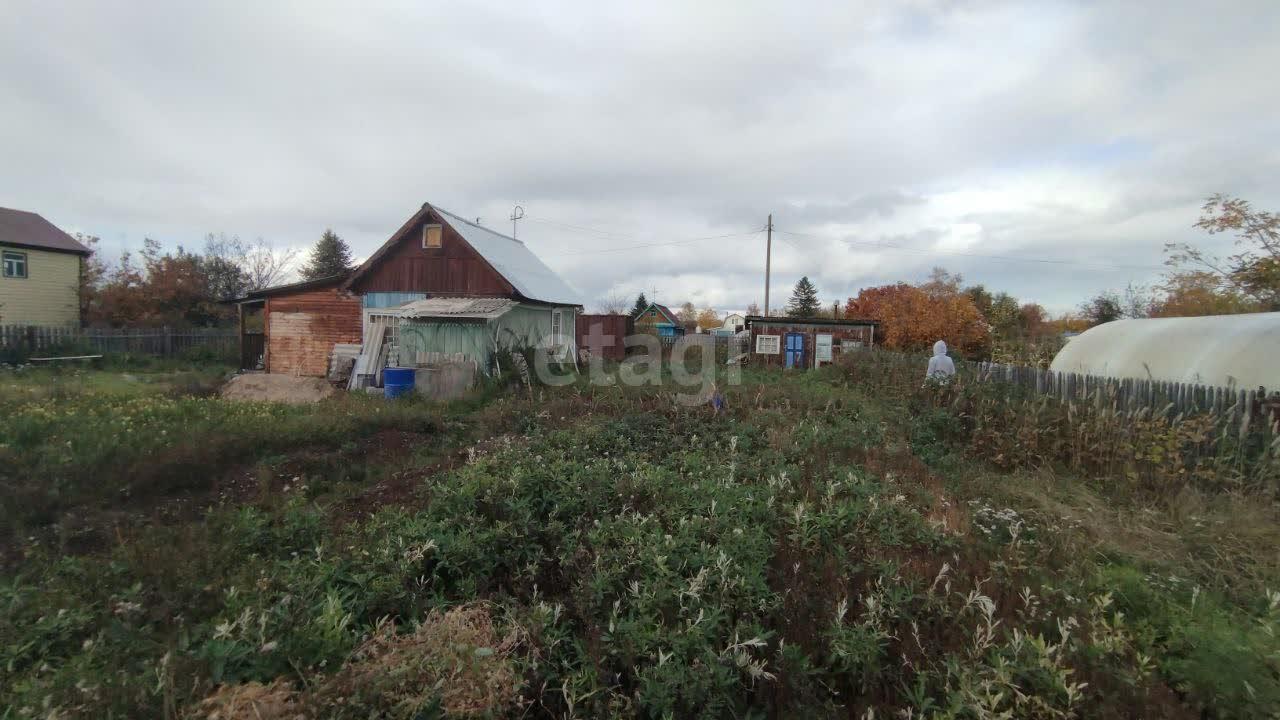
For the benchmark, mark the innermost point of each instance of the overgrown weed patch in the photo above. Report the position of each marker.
(819, 551)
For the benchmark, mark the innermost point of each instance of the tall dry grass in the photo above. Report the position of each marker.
(1153, 451)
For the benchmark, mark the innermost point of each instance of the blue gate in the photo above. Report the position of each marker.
(795, 350)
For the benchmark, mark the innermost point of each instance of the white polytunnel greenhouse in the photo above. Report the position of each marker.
(1242, 351)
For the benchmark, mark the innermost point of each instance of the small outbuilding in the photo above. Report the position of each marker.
(805, 342)
(444, 329)
(291, 329)
(605, 335)
(1217, 350)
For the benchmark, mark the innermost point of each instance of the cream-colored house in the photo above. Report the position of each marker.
(39, 272)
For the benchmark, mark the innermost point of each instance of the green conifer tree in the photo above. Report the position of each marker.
(330, 256)
(804, 300)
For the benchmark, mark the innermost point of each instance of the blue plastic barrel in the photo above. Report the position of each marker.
(397, 382)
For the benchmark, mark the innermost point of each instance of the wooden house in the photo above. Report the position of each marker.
(805, 342)
(734, 323)
(659, 320)
(39, 272)
(433, 290)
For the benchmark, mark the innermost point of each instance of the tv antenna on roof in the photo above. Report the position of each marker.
(517, 213)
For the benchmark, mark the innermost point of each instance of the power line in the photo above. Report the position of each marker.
(659, 244)
(1003, 258)
(624, 248)
(579, 227)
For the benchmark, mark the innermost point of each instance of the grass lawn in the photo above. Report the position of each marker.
(840, 543)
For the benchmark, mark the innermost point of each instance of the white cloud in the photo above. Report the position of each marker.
(889, 137)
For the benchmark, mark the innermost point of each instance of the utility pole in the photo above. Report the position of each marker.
(768, 257)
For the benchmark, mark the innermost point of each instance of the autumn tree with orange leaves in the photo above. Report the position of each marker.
(912, 318)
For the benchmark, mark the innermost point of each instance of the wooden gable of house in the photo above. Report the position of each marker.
(657, 314)
(455, 268)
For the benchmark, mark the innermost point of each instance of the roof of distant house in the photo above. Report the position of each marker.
(671, 316)
(28, 229)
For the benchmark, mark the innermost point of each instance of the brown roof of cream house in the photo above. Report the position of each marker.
(27, 229)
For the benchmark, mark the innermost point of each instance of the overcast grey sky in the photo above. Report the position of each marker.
(886, 137)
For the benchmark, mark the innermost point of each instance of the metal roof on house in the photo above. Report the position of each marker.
(666, 311)
(514, 261)
(458, 308)
(20, 227)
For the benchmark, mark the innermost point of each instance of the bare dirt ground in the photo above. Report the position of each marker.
(276, 388)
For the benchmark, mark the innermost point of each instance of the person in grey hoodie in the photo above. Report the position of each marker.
(940, 366)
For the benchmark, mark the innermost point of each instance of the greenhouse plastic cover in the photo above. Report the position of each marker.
(1223, 350)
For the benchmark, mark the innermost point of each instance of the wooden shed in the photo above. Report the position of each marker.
(605, 335)
(805, 342)
(291, 329)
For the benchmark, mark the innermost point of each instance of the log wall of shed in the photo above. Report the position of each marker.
(302, 328)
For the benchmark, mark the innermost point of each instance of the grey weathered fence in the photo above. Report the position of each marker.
(1126, 392)
(160, 342)
(1162, 397)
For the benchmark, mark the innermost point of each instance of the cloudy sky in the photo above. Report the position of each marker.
(1047, 149)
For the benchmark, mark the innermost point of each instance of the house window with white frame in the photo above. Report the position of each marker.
(768, 344)
(557, 324)
(15, 264)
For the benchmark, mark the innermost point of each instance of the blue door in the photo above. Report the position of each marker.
(795, 350)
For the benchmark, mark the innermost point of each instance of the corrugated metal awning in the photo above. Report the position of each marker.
(454, 308)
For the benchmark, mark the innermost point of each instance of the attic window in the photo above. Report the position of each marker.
(432, 236)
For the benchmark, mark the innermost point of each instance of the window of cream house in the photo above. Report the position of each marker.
(15, 264)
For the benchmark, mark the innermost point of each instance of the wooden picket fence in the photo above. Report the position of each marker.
(160, 342)
(1128, 393)
(904, 371)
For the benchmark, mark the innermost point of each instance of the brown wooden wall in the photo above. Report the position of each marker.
(454, 268)
(302, 328)
(617, 326)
